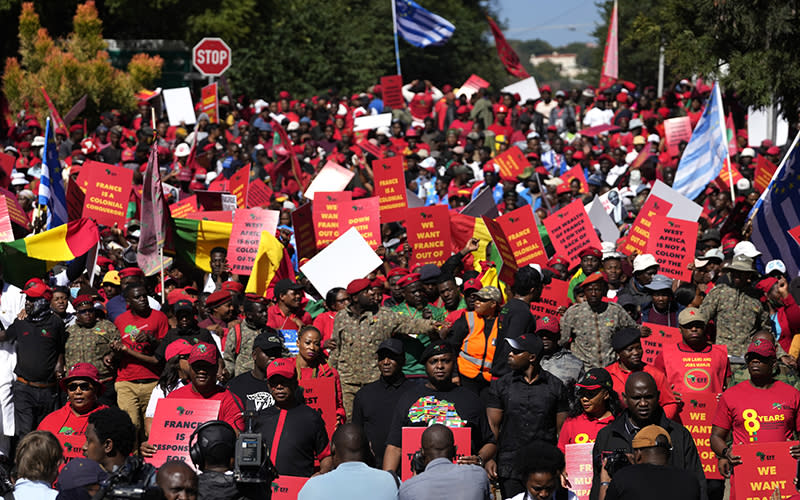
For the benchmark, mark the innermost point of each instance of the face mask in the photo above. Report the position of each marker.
(73, 291)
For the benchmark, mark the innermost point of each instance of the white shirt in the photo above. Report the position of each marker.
(25, 489)
(524, 496)
(597, 116)
(158, 393)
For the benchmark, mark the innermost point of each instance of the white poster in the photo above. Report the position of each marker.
(527, 89)
(331, 179)
(682, 207)
(179, 106)
(349, 257)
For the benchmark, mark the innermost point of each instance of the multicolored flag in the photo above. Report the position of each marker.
(420, 27)
(610, 72)
(272, 265)
(51, 187)
(194, 240)
(509, 58)
(155, 219)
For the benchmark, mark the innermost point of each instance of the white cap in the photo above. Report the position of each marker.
(609, 249)
(775, 265)
(742, 184)
(747, 249)
(644, 261)
(714, 253)
(532, 134)
(293, 126)
(182, 150)
(654, 138)
(700, 262)
(383, 130)
(37, 141)
(747, 152)
(428, 162)
(259, 105)
(288, 205)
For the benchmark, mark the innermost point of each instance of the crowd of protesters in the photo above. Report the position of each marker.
(82, 367)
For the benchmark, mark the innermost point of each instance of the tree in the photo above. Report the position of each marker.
(71, 67)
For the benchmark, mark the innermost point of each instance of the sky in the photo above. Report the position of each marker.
(558, 22)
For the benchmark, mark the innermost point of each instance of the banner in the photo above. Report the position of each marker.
(15, 211)
(639, 233)
(517, 239)
(579, 468)
(393, 92)
(724, 179)
(554, 295)
(238, 185)
(390, 187)
(287, 487)
(209, 102)
(258, 194)
(326, 216)
(765, 467)
(576, 172)
(672, 242)
(696, 416)
(654, 343)
(511, 163)
(571, 231)
(765, 169)
(364, 215)
(677, 130)
(320, 394)
(412, 442)
(185, 206)
(248, 223)
(332, 178)
(173, 423)
(107, 195)
(428, 230)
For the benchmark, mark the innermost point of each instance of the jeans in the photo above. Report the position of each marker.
(31, 405)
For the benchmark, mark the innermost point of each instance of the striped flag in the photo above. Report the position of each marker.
(51, 185)
(777, 212)
(706, 152)
(420, 27)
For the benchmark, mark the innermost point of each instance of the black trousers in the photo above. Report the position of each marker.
(510, 487)
(31, 405)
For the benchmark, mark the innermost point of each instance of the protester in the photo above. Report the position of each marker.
(541, 465)
(216, 443)
(310, 364)
(177, 481)
(174, 376)
(110, 440)
(80, 475)
(38, 458)
(594, 406)
(251, 386)
(244, 334)
(557, 359)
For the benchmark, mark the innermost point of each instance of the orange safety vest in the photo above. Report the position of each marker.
(477, 351)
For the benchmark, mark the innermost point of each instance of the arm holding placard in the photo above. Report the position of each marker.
(727, 461)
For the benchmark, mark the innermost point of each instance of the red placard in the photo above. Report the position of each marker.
(258, 194)
(511, 162)
(326, 216)
(571, 231)
(640, 231)
(6, 232)
(287, 487)
(393, 92)
(723, 181)
(517, 239)
(173, 423)
(364, 215)
(15, 211)
(6, 165)
(107, 194)
(428, 230)
(304, 235)
(677, 130)
(75, 200)
(186, 206)
(654, 343)
(696, 416)
(576, 172)
(765, 169)
(579, 468)
(412, 441)
(209, 103)
(672, 243)
(238, 184)
(554, 295)
(390, 187)
(89, 167)
(248, 223)
(320, 394)
(220, 184)
(215, 215)
(765, 466)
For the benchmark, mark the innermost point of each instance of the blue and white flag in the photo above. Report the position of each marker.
(420, 27)
(706, 152)
(51, 184)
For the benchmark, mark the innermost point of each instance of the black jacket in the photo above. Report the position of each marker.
(217, 486)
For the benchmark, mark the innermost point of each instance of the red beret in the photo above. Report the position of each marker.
(409, 279)
(233, 286)
(358, 285)
(622, 97)
(578, 155)
(397, 271)
(218, 298)
(472, 284)
(131, 271)
(178, 294)
(595, 252)
(39, 290)
(595, 277)
(82, 299)
(378, 282)
(556, 260)
(254, 297)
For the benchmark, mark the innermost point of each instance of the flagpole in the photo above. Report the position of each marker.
(396, 44)
(161, 257)
(725, 134)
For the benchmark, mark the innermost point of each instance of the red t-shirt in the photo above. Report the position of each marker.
(690, 371)
(230, 406)
(69, 428)
(581, 429)
(324, 323)
(759, 415)
(129, 325)
(666, 399)
(454, 315)
(279, 321)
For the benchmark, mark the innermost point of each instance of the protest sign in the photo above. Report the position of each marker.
(6, 166)
(672, 243)
(481, 205)
(238, 184)
(509, 266)
(6, 232)
(304, 236)
(392, 87)
(795, 233)
(219, 184)
(369, 122)
(653, 344)
(180, 109)
(520, 235)
(765, 467)
(677, 130)
(173, 423)
(331, 178)
(362, 214)
(209, 200)
(325, 270)
(287, 487)
(696, 416)
(579, 470)
(209, 102)
(248, 223)
(75, 200)
(724, 179)
(602, 221)
(258, 194)
(89, 166)
(412, 442)
(326, 216)
(15, 211)
(554, 295)
(599, 129)
(682, 207)
(390, 187)
(472, 85)
(576, 172)
(639, 233)
(368, 147)
(571, 231)
(320, 394)
(511, 162)
(428, 230)
(107, 195)
(527, 89)
(185, 206)
(765, 169)
(228, 202)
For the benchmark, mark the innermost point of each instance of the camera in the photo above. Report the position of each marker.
(251, 462)
(615, 460)
(130, 482)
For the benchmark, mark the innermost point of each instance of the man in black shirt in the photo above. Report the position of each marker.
(40, 340)
(373, 406)
(525, 405)
(251, 387)
(186, 329)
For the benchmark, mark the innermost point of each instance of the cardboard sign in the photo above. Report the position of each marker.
(481, 205)
(326, 216)
(682, 207)
(287, 487)
(320, 394)
(390, 188)
(369, 122)
(6, 166)
(576, 172)
(248, 223)
(180, 109)
(304, 236)
(639, 233)
(677, 130)
(579, 468)
(527, 89)
(75, 200)
(88, 167)
(517, 240)
(107, 195)
(724, 179)
(6, 232)
(258, 194)
(672, 242)
(472, 85)
(331, 178)
(554, 296)
(412, 442)
(228, 202)
(219, 184)
(571, 231)
(601, 220)
(765, 169)
(393, 92)
(325, 270)
(209, 102)
(15, 211)
(362, 214)
(765, 467)
(238, 184)
(173, 423)
(428, 230)
(511, 163)
(696, 416)
(654, 343)
(186, 206)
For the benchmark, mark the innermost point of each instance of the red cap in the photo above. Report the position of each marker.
(284, 367)
(284, 94)
(563, 188)
(595, 252)
(218, 298)
(774, 150)
(408, 279)
(203, 352)
(233, 286)
(397, 271)
(557, 259)
(357, 286)
(180, 347)
(131, 271)
(767, 143)
(761, 347)
(766, 285)
(472, 284)
(38, 290)
(502, 109)
(179, 294)
(412, 132)
(622, 97)
(83, 370)
(578, 155)
(548, 323)
(545, 88)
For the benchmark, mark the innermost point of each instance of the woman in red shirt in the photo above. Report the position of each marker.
(595, 407)
(335, 300)
(310, 364)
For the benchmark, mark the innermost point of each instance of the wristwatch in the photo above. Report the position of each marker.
(724, 453)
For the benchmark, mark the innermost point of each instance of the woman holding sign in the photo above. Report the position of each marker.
(310, 364)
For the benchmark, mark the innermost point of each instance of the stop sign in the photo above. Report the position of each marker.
(211, 56)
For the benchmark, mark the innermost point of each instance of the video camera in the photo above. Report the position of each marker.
(251, 461)
(129, 483)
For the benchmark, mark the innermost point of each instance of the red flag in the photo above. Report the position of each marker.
(610, 71)
(507, 55)
(53, 110)
(287, 144)
(155, 219)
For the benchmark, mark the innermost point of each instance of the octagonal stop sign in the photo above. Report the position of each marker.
(211, 56)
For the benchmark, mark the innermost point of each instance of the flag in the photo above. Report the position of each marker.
(194, 240)
(53, 111)
(730, 130)
(610, 71)
(51, 186)
(706, 152)
(154, 220)
(419, 27)
(507, 55)
(281, 138)
(777, 212)
(272, 264)
(36, 254)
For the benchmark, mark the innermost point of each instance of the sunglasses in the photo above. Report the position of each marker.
(83, 386)
(85, 311)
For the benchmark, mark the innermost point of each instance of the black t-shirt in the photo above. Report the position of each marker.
(193, 336)
(302, 438)
(515, 319)
(252, 391)
(38, 347)
(654, 482)
(460, 406)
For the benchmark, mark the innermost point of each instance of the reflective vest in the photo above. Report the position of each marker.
(477, 351)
